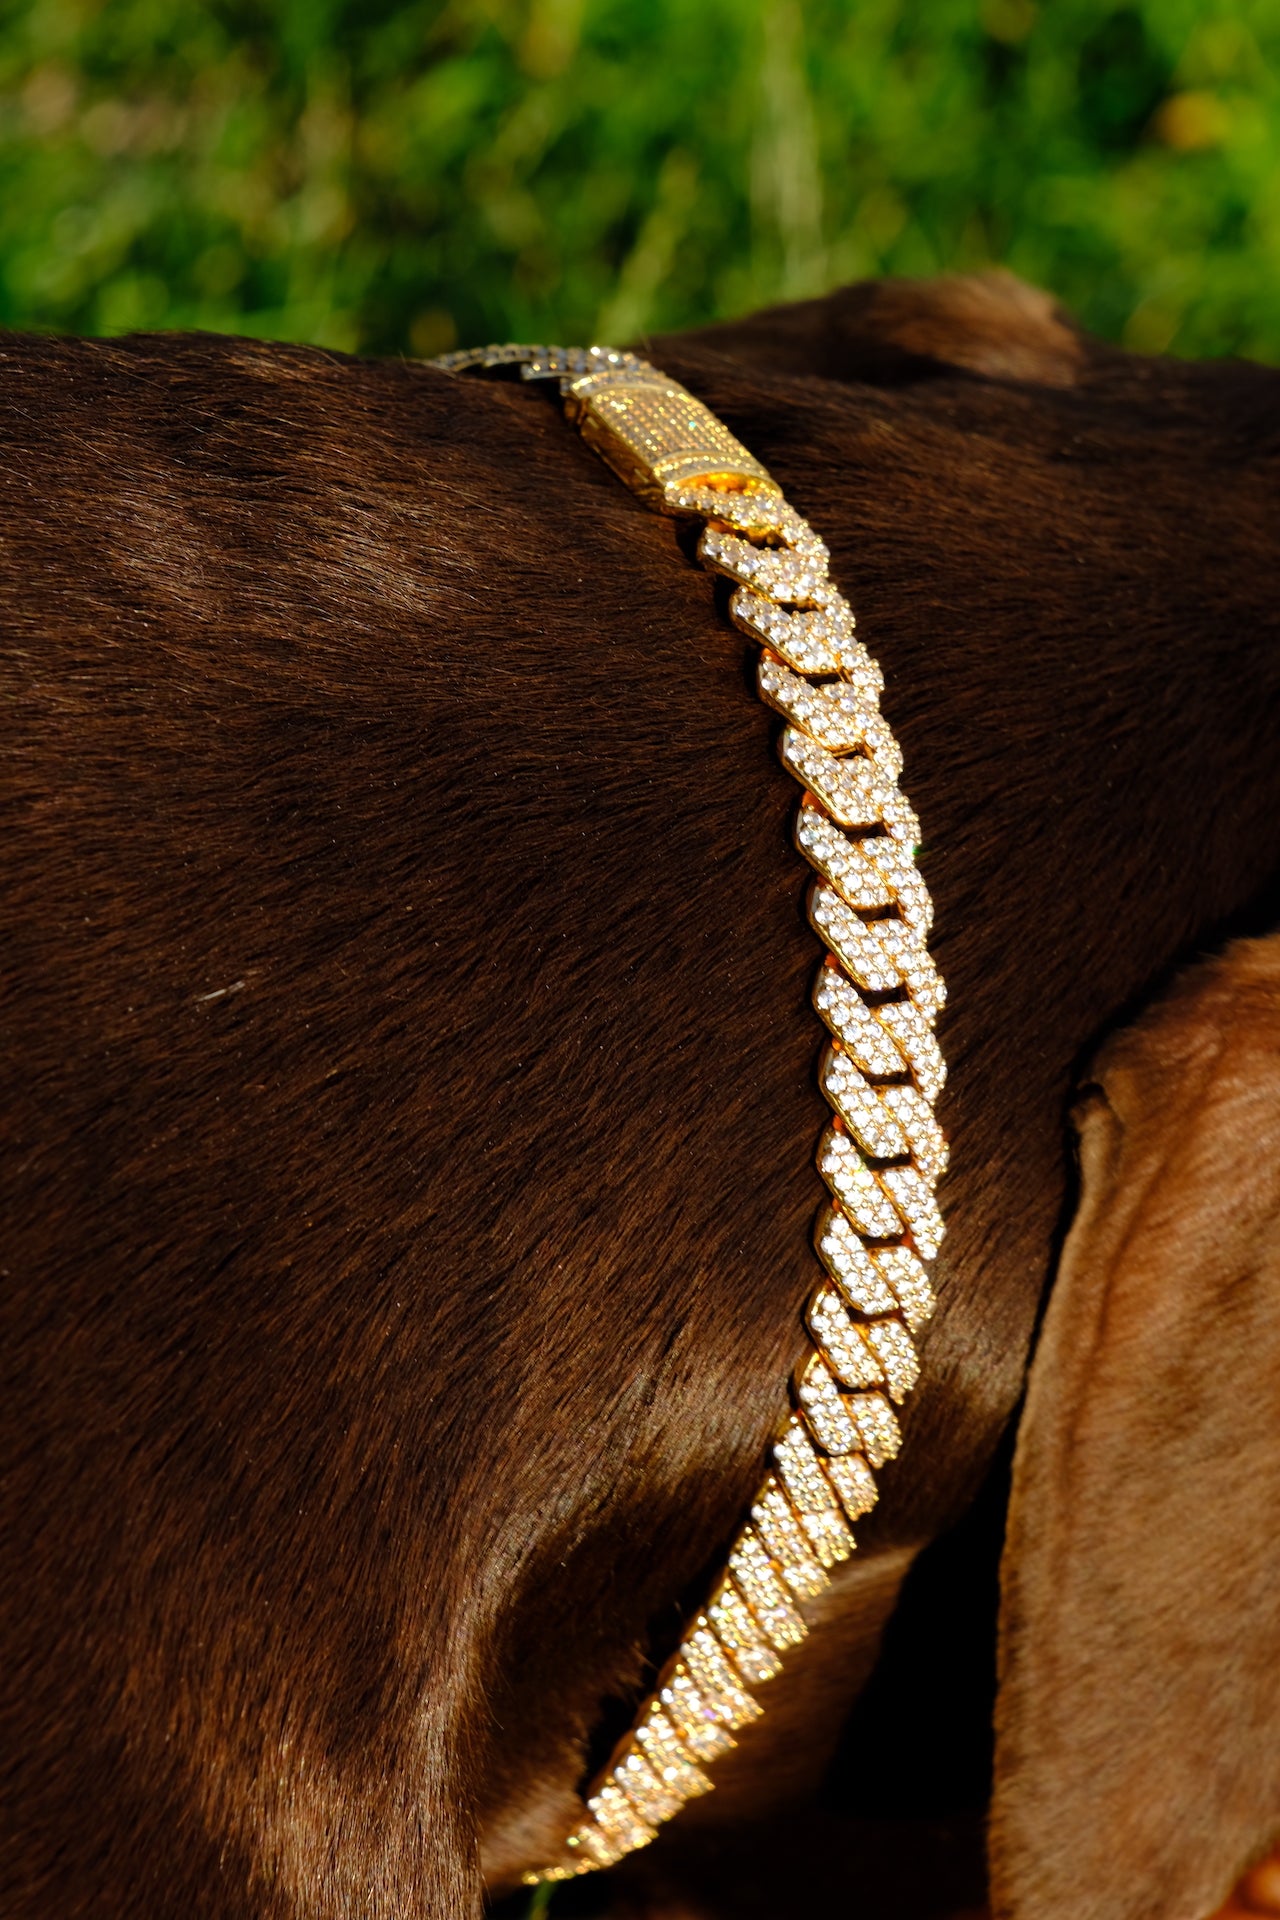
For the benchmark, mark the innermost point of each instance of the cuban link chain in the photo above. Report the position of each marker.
(877, 992)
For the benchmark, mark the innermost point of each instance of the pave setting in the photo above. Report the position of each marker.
(878, 994)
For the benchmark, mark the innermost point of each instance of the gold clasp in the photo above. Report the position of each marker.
(658, 438)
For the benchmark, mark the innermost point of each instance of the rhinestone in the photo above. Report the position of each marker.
(896, 861)
(854, 1481)
(923, 981)
(925, 1138)
(878, 1431)
(785, 1541)
(872, 1123)
(801, 1470)
(828, 1535)
(857, 1028)
(871, 872)
(735, 1628)
(841, 1343)
(793, 579)
(818, 641)
(913, 1034)
(668, 1756)
(846, 863)
(760, 515)
(719, 1684)
(603, 1850)
(652, 1799)
(877, 741)
(694, 1718)
(868, 873)
(913, 1197)
(857, 792)
(881, 1073)
(866, 1204)
(835, 714)
(855, 1270)
(856, 943)
(893, 1347)
(499, 354)
(824, 1409)
(910, 894)
(859, 671)
(753, 1573)
(618, 1820)
(905, 1274)
(880, 954)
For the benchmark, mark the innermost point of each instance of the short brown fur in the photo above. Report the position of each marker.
(409, 1072)
(1138, 1762)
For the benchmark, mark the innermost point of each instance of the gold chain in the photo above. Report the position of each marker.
(877, 992)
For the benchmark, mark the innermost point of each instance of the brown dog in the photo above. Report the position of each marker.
(409, 1070)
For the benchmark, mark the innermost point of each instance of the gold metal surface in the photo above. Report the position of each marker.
(657, 437)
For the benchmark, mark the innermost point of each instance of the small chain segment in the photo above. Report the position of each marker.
(878, 994)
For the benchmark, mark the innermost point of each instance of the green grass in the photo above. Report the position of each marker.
(398, 175)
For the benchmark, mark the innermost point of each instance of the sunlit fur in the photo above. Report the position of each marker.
(409, 1076)
(1138, 1760)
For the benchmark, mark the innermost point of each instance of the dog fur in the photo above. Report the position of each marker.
(409, 1069)
(1138, 1759)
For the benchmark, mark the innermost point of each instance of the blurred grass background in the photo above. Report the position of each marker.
(402, 175)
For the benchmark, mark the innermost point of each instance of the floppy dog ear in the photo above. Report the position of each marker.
(893, 332)
(1138, 1722)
